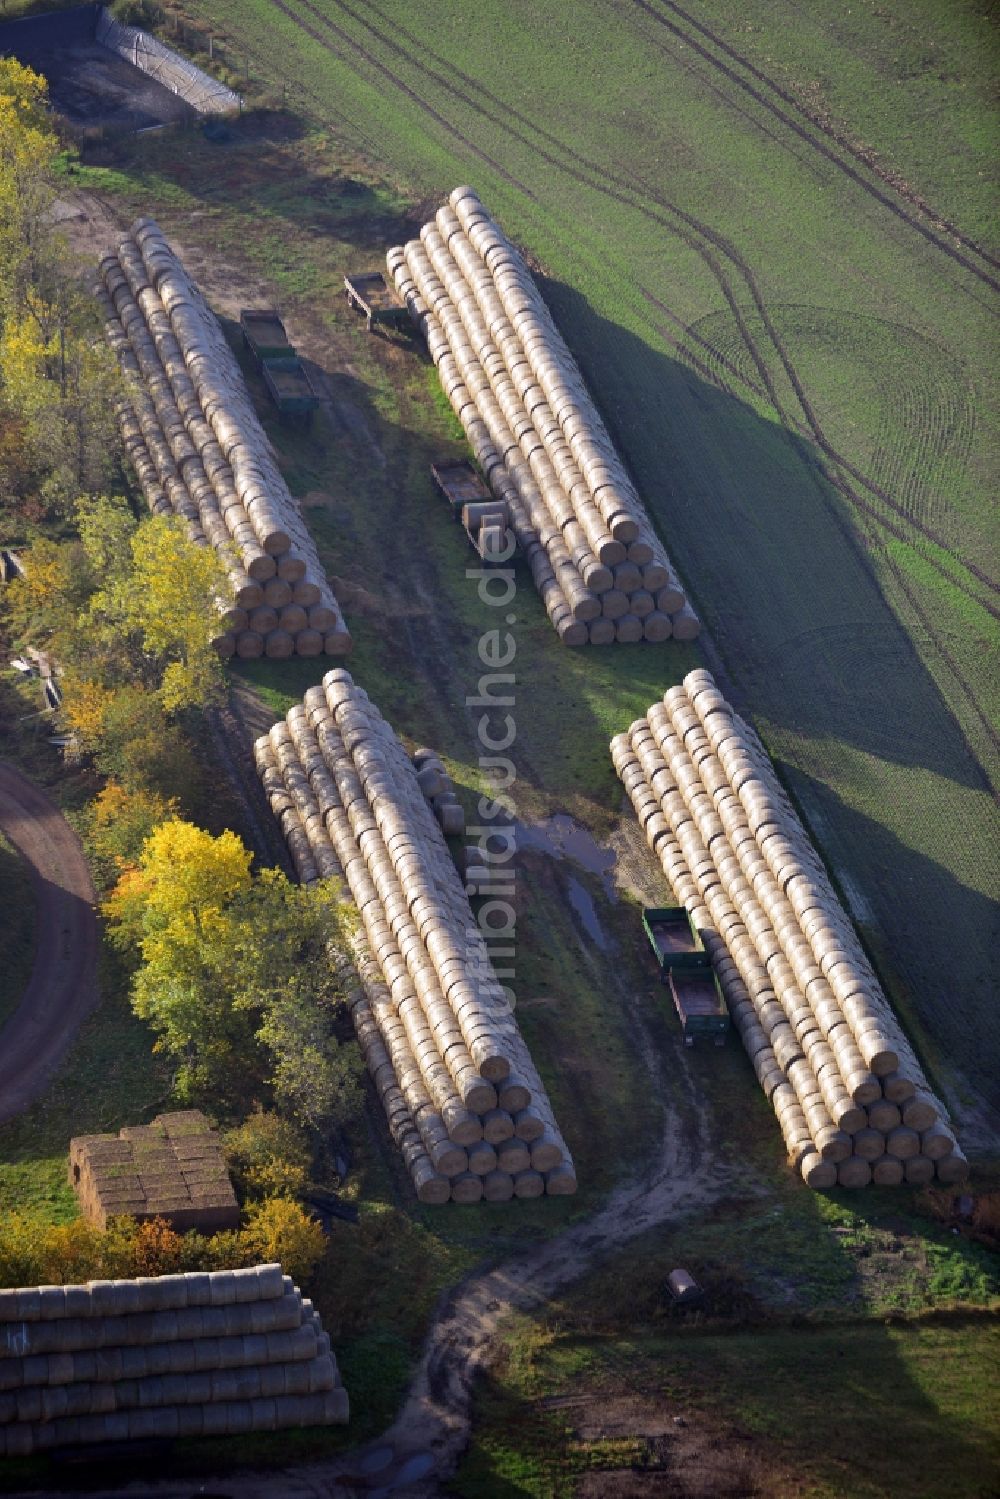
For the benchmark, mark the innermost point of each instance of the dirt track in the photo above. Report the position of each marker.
(63, 986)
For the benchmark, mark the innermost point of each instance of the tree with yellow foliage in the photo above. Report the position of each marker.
(170, 599)
(58, 378)
(236, 977)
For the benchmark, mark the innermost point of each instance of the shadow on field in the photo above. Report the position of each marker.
(772, 555)
(724, 1413)
(947, 924)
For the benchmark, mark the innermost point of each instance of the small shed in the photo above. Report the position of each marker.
(173, 1168)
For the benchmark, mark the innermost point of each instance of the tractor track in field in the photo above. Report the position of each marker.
(393, 80)
(863, 158)
(800, 130)
(590, 175)
(701, 238)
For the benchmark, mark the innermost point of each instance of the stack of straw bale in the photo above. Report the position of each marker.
(172, 1168)
(203, 1354)
(439, 791)
(465, 1106)
(851, 1098)
(536, 434)
(194, 440)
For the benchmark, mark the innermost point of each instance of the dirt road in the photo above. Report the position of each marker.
(62, 989)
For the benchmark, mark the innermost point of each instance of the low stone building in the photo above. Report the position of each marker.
(203, 1354)
(173, 1168)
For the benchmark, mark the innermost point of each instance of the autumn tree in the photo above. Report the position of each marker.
(171, 600)
(58, 379)
(236, 976)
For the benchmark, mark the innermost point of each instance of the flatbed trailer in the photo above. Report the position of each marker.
(371, 294)
(485, 520)
(289, 386)
(264, 334)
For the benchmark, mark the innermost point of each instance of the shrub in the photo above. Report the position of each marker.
(280, 1230)
(144, 13)
(268, 1157)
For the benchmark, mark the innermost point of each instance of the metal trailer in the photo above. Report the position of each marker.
(289, 386)
(371, 294)
(674, 938)
(264, 334)
(700, 1005)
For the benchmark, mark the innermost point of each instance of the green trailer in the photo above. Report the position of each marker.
(674, 938)
(264, 334)
(289, 386)
(700, 1005)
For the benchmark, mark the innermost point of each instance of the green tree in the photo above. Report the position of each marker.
(171, 599)
(58, 378)
(238, 975)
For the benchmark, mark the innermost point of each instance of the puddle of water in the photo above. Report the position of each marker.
(415, 1467)
(376, 1460)
(583, 905)
(562, 838)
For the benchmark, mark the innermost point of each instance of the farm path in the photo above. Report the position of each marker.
(62, 989)
(423, 1447)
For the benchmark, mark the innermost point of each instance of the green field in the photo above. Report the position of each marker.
(795, 357)
(798, 375)
(722, 1412)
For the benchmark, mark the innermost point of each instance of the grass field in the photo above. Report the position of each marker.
(727, 1413)
(794, 356)
(760, 331)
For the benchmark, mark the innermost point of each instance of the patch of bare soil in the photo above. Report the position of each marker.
(683, 1456)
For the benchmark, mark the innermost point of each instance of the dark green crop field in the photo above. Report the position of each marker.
(766, 233)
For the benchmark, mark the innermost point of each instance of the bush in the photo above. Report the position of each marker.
(144, 13)
(280, 1230)
(267, 1157)
(36, 1253)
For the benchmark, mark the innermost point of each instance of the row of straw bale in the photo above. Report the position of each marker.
(850, 1096)
(181, 1355)
(536, 434)
(191, 433)
(464, 1103)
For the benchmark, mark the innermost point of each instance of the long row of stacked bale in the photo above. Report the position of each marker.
(202, 1354)
(535, 433)
(851, 1099)
(465, 1106)
(193, 437)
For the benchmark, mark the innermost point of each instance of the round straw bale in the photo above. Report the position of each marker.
(902, 1143)
(529, 1184)
(249, 644)
(937, 1142)
(953, 1168)
(467, 1188)
(560, 1181)
(278, 645)
(818, 1173)
(308, 643)
(628, 629)
(601, 631)
(657, 626)
(918, 1171)
(498, 1186)
(888, 1172)
(854, 1172)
